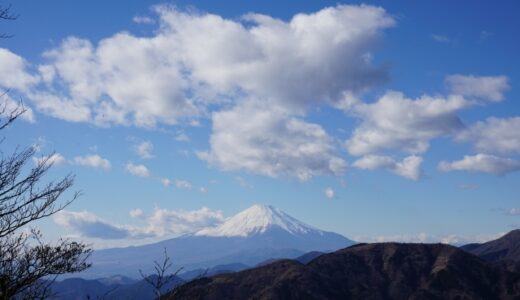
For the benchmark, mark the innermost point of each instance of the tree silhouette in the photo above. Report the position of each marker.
(28, 265)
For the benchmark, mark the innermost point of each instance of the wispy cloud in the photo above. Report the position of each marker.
(482, 163)
(439, 38)
(183, 184)
(453, 239)
(161, 223)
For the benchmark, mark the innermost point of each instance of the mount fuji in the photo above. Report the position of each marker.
(254, 235)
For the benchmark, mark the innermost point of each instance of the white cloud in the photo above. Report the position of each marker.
(270, 142)
(515, 211)
(100, 80)
(453, 239)
(166, 182)
(14, 72)
(183, 184)
(487, 87)
(396, 122)
(166, 222)
(203, 189)
(89, 225)
(482, 163)
(55, 159)
(93, 161)
(313, 58)
(329, 192)
(409, 167)
(136, 213)
(61, 107)
(493, 135)
(161, 223)
(137, 170)
(144, 150)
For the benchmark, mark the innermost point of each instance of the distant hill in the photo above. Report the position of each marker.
(506, 248)
(114, 288)
(254, 235)
(366, 271)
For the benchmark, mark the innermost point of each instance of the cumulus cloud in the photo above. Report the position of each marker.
(493, 135)
(161, 223)
(55, 159)
(164, 222)
(93, 161)
(409, 167)
(313, 58)
(15, 73)
(138, 170)
(397, 122)
(329, 192)
(89, 225)
(270, 142)
(486, 87)
(144, 150)
(482, 163)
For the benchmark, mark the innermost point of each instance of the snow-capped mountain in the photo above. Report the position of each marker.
(254, 235)
(256, 220)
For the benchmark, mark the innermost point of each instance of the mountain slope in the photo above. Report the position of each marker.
(374, 271)
(254, 235)
(506, 248)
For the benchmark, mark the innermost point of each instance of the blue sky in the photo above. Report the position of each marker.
(380, 121)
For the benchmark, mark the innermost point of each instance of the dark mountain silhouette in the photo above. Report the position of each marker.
(220, 269)
(366, 271)
(506, 248)
(308, 257)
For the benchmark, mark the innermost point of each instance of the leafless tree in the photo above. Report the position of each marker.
(27, 264)
(161, 277)
(6, 14)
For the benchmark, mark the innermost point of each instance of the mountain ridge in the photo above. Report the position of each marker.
(366, 271)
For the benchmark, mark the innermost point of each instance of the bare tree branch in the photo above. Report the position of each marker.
(160, 278)
(28, 266)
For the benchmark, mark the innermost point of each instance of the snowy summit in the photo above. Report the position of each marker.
(258, 219)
